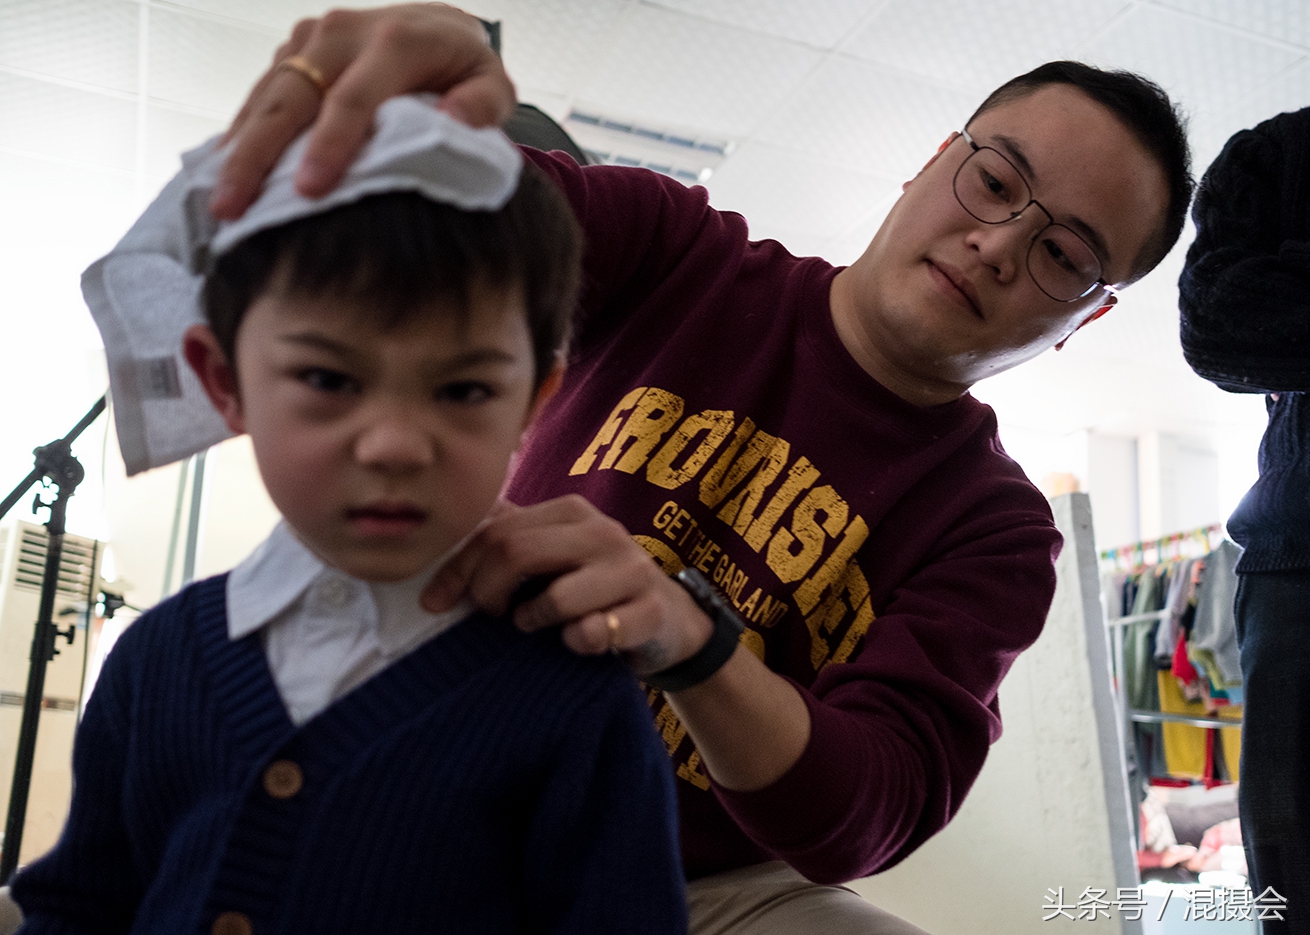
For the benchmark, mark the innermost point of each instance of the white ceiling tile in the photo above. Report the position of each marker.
(675, 70)
(1287, 20)
(846, 246)
(169, 133)
(89, 41)
(779, 190)
(842, 251)
(1209, 131)
(820, 23)
(978, 46)
(272, 14)
(51, 120)
(204, 63)
(553, 45)
(1287, 91)
(862, 115)
(1203, 66)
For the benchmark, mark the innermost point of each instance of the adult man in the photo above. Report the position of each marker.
(1245, 301)
(800, 434)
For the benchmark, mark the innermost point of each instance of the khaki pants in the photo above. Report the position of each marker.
(767, 899)
(773, 899)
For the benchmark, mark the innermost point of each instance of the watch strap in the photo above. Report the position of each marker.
(711, 657)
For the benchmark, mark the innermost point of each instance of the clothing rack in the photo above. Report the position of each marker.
(1121, 690)
(1192, 543)
(1133, 558)
(1175, 544)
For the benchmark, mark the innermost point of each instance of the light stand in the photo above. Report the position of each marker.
(57, 466)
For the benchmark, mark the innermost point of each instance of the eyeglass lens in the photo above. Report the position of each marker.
(990, 188)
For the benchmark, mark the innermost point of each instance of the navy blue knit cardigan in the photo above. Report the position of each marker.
(488, 782)
(1245, 301)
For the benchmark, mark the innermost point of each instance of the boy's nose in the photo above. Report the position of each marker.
(391, 443)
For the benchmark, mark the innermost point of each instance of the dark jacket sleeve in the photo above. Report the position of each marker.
(1244, 293)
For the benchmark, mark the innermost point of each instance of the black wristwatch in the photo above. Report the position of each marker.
(723, 640)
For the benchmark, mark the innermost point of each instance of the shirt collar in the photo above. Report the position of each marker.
(268, 581)
(279, 572)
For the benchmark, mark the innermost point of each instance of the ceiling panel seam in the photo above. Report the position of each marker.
(1239, 104)
(66, 162)
(219, 18)
(932, 81)
(69, 83)
(740, 27)
(875, 10)
(783, 100)
(1080, 48)
(1249, 34)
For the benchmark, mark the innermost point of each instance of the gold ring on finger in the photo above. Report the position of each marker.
(307, 70)
(612, 631)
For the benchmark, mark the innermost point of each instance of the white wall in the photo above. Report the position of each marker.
(1147, 485)
(1178, 484)
(1112, 484)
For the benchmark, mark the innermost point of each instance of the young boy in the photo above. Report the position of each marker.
(296, 746)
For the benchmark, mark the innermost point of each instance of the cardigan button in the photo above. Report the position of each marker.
(282, 780)
(232, 923)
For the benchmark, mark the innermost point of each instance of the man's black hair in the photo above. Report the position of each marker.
(400, 251)
(1145, 109)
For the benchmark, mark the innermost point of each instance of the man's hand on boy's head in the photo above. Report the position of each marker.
(601, 578)
(364, 57)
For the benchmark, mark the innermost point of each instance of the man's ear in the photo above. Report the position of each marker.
(549, 387)
(1110, 303)
(201, 349)
(940, 149)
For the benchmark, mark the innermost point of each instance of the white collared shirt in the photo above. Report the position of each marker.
(325, 632)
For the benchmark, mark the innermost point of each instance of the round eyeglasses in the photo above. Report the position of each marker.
(991, 189)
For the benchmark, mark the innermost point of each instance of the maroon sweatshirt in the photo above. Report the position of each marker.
(891, 561)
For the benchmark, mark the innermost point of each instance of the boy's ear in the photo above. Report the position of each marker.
(217, 376)
(549, 387)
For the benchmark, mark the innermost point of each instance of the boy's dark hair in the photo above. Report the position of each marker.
(400, 250)
(1145, 109)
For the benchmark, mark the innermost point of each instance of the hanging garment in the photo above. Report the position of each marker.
(1140, 682)
(1214, 629)
(1184, 745)
(1178, 599)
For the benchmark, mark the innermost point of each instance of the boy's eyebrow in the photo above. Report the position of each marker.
(468, 358)
(314, 339)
